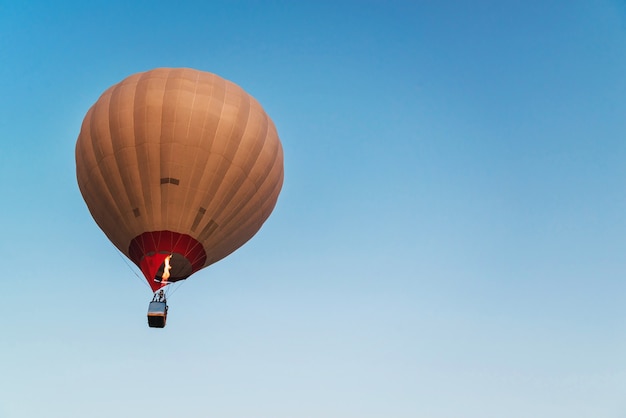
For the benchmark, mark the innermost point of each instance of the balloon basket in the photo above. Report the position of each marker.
(157, 314)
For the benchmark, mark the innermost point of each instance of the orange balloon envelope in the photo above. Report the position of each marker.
(179, 168)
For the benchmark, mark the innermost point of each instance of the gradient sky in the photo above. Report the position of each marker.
(449, 241)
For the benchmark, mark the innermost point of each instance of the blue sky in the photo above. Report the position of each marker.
(449, 241)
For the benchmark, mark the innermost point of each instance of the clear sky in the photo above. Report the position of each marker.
(449, 241)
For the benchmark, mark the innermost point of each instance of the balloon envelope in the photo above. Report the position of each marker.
(181, 163)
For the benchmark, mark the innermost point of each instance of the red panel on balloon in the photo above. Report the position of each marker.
(150, 249)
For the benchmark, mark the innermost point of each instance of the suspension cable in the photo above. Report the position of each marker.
(130, 268)
(175, 289)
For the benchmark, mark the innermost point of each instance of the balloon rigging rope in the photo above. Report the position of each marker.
(130, 268)
(175, 289)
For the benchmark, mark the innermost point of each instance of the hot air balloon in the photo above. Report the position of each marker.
(179, 168)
